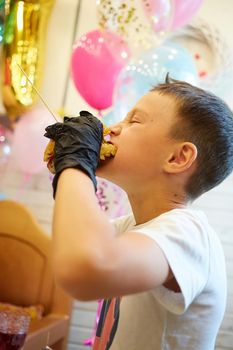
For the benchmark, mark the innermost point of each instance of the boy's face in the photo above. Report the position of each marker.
(143, 143)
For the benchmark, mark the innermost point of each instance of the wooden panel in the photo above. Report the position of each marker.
(15, 275)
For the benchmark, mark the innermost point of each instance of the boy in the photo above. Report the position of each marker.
(160, 270)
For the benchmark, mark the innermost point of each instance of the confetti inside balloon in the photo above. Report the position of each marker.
(126, 18)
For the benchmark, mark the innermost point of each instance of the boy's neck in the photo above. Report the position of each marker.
(146, 207)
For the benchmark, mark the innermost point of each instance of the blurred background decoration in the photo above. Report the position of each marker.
(160, 15)
(183, 12)
(212, 56)
(29, 142)
(2, 19)
(5, 146)
(96, 61)
(139, 22)
(23, 44)
(123, 18)
(149, 70)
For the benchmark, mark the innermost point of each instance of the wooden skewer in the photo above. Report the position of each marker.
(35, 89)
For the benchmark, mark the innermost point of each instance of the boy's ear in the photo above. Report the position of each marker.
(181, 158)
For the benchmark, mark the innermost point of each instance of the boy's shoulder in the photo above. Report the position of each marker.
(178, 217)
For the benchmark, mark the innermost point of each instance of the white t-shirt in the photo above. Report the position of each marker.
(162, 319)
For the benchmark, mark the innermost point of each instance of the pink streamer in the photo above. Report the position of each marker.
(90, 341)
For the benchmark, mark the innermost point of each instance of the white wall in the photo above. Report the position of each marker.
(218, 204)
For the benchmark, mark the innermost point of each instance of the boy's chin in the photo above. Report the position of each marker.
(103, 168)
(104, 163)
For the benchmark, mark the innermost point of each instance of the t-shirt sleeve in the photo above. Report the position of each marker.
(184, 241)
(122, 223)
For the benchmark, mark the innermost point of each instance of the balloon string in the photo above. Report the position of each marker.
(100, 115)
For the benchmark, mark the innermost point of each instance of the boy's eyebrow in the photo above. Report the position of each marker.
(138, 110)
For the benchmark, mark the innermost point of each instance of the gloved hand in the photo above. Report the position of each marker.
(77, 145)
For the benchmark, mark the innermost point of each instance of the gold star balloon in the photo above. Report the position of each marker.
(23, 45)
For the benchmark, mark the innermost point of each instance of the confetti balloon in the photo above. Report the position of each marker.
(150, 69)
(128, 19)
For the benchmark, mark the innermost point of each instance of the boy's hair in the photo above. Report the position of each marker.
(206, 121)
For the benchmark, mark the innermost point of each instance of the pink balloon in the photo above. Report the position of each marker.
(96, 61)
(183, 11)
(159, 13)
(29, 142)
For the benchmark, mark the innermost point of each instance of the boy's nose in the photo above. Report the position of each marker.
(115, 129)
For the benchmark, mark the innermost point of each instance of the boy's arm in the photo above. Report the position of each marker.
(90, 261)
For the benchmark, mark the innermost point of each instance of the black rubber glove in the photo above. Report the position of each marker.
(77, 145)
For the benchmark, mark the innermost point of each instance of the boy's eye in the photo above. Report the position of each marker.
(134, 121)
